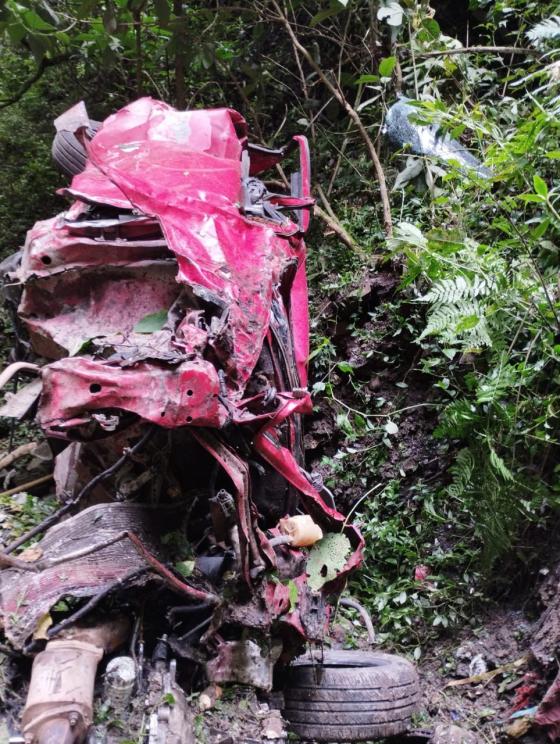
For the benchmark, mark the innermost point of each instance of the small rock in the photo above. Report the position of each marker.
(477, 665)
(449, 734)
(463, 652)
(273, 726)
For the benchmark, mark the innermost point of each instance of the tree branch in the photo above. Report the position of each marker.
(330, 218)
(32, 79)
(352, 113)
(481, 50)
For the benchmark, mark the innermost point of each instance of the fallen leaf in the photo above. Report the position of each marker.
(326, 558)
(43, 625)
(519, 728)
(488, 676)
(31, 554)
(391, 428)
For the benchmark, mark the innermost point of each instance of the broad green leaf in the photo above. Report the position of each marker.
(432, 26)
(345, 367)
(16, 32)
(151, 323)
(540, 229)
(326, 558)
(553, 155)
(34, 22)
(540, 186)
(185, 568)
(366, 79)
(466, 323)
(293, 595)
(386, 66)
(532, 198)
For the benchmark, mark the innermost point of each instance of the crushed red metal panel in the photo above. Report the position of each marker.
(187, 394)
(173, 293)
(27, 596)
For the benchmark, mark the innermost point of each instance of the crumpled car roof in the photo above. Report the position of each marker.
(184, 168)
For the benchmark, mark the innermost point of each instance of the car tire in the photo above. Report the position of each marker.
(69, 153)
(350, 696)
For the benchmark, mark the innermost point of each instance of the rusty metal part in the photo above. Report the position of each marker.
(244, 662)
(171, 720)
(59, 705)
(53, 518)
(20, 403)
(89, 555)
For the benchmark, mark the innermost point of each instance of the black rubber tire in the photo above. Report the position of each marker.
(351, 696)
(69, 153)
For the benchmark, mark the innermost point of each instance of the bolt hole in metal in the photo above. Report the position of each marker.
(46, 260)
(189, 393)
(189, 419)
(95, 387)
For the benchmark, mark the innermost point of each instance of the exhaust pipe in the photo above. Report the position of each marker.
(59, 705)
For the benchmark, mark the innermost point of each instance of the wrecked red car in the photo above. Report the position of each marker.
(165, 317)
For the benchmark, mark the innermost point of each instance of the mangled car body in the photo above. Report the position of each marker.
(166, 311)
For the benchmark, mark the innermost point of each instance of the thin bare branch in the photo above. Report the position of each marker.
(43, 65)
(481, 50)
(352, 113)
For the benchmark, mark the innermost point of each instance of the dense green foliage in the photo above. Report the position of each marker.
(442, 387)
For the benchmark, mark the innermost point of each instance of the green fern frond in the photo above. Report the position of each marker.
(496, 384)
(477, 337)
(456, 289)
(462, 322)
(462, 472)
(457, 419)
(407, 234)
(499, 465)
(545, 30)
